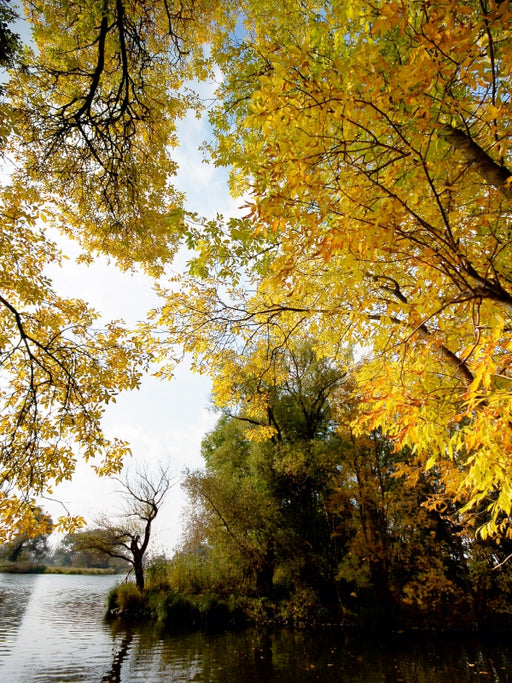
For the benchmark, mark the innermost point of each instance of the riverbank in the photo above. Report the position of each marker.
(32, 568)
(164, 605)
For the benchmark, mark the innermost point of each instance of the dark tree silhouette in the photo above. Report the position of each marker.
(127, 537)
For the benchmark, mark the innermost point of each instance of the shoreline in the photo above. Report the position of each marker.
(45, 569)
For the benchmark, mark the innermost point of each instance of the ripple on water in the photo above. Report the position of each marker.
(54, 628)
(52, 631)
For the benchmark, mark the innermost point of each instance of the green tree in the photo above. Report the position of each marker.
(74, 551)
(269, 472)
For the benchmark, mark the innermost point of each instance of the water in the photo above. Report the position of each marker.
(52, 630)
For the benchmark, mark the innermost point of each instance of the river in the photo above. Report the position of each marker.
(52, 631)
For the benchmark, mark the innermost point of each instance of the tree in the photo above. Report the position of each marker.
(374, 140)
(296, 511)
(58, 371)
(87, 122)
(27, 546)
(127, 537)
(259, 508)
(233, 515)
(73, 551)
(9, 41)
(96, 108)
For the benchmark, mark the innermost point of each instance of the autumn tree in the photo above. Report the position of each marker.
(399, 560)
(96, 105)
(373, 141)
(232, 514)
(298, 514)
(59, 369)
(10, 43)
(87, 127)
(25, 545)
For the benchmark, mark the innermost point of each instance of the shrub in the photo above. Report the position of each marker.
(302, 607)
(157, 573)
(126, 598)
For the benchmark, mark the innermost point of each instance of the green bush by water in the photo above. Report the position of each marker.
(126, 599)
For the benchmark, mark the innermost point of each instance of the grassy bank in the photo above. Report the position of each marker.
(80, 570)
(31, 568)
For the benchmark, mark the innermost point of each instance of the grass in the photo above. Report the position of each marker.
(81, 570)
(32, 568)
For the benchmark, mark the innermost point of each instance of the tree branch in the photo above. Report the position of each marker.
(494, 174)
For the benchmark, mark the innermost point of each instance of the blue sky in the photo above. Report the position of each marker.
(163, 421)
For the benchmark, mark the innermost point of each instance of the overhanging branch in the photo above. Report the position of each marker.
(493, 173)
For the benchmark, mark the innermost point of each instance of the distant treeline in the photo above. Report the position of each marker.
(34, 568)
(26, 554)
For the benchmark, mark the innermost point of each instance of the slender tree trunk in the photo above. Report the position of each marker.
(138, 555)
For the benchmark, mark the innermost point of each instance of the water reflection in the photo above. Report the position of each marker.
(15, 592)
(58, 634)
(114, 674)
(255, 657)
(52, 629)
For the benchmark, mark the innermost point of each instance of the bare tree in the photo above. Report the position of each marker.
(127, 536)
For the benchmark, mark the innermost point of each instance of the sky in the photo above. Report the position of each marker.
(163, 421)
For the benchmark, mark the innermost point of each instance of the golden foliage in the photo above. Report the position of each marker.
(373, 139)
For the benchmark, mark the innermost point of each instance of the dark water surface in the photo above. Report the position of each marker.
(52, 630)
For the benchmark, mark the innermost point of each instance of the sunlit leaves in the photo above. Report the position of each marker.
(97, 106)
(87, 130)
(57, 372)
(371, 144)
(374, 140)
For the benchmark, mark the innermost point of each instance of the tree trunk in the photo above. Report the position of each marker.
(138, 555)
(139, 575)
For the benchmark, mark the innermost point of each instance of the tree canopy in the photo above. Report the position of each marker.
(370, 142)
(314, 525)
(88, 117)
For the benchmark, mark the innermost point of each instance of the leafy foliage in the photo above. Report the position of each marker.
(96, 108)
(57, 371)
(9, 41)
(318, 524)
(373, 142)
(27, 547)
(87, 122)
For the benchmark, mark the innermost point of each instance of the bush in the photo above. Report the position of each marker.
(157, 573)
(126, 599)
(301, 608)
(175, 608)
